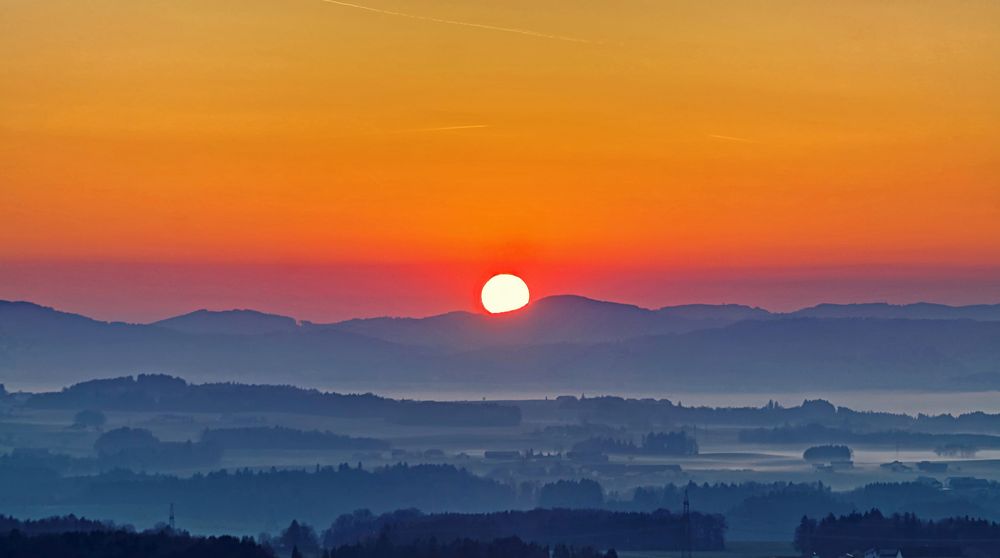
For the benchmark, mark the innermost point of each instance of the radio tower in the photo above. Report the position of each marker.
(172, 525)
(687, 548)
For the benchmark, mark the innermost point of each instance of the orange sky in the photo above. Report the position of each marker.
(638, 137)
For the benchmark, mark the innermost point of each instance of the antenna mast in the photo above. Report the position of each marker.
(688, 543)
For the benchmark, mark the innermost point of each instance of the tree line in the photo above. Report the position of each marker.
(245, 499)
(654, 443)
(73, 537)
(154, 392)
(509, 547)
(159, 392)
(813, 433)
(55, 524)
(658, 530)
(139, 449)
(856, 532)
(127, 544)
(621, 411)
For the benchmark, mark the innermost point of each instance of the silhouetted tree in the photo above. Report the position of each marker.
(299, 536)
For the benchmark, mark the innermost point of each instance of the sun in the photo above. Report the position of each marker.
(504, 293)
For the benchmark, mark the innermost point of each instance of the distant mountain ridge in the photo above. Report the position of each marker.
(562, 341)
(557, 319)
(229, 322)
(554, 319)
(916, 311)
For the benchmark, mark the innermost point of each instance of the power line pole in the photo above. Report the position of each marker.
(688, 543)
(172, 524)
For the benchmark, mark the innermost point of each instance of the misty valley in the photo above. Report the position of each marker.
(277, 468)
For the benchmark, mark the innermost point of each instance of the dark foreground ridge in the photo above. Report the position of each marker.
(659, 530)
(77, 537)
(72, 537)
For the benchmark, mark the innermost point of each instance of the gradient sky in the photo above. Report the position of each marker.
(332, 159)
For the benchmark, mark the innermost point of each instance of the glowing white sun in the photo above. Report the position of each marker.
(504, 292)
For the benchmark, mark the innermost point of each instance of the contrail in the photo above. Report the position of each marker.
(462, 23)
(439, 129)
(731, 138)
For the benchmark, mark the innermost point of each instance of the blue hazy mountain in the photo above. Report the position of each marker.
(563, 342)
(42, 345)
(769, 355)
(229, 322)
(917, 311)
(554, 319)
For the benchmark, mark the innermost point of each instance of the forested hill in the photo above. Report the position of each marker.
(166, 393)
(170, 394)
